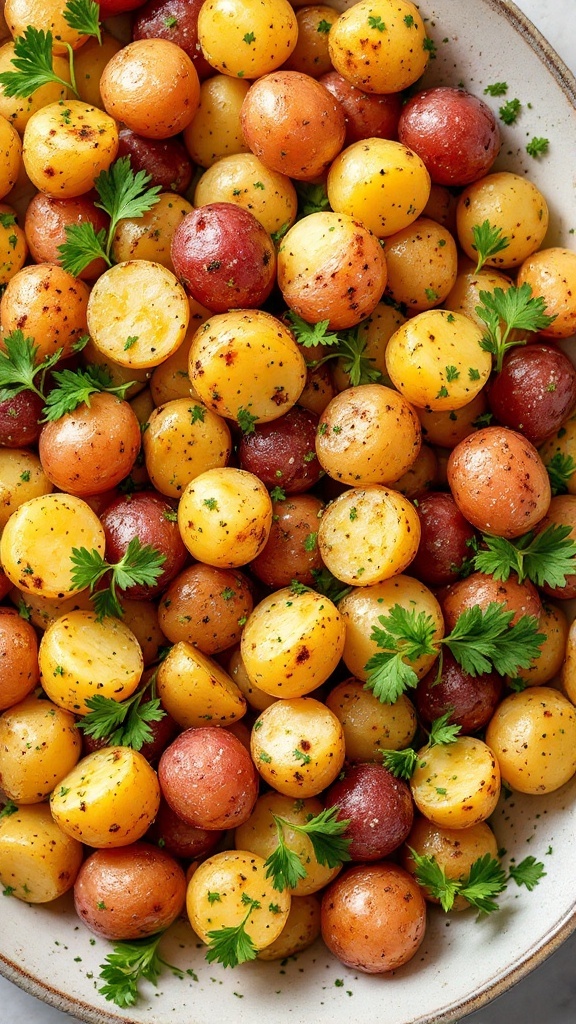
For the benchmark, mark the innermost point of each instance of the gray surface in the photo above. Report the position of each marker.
(548, 995)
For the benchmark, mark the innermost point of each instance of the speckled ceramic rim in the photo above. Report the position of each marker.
(496, 987)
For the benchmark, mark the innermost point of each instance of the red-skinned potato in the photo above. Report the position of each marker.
(293, 124)
(205, 606)
(289, 553)
(471, 700)
(534, 392)
(367, 115)
(19, 672)
(224, 257)
(378, 806)
(481, 589)
(20, 420)
(208, 778)
(444, 538)
(499, 482)
(454, 133)
(165, 160)
(149, 517)
(47, 219)
(129, 892)
(177, 21)
(373, 917)
(180, 839)
(282, 453)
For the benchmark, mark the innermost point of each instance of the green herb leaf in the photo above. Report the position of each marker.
(141, 564)
(125, 723)
(34, 64)
(485, 639)
(9, 808)
(310, 335)
(509, 111)
(82, 245)
(537, 146)
(326, 833)
(405, 637)
(124, 194)
(402, 763)
(352, 352)
(561, 469)
(74, 387)
(84, 16)
(312, 198)
(517, 309)
(18, 366)
(488, 241)
(485, 880)
(232, 946)
(127, 965)
(545, 558)
(327, 584)
(528, 872)
(246, 421)
(441, 732)
(496, 89)
(432, 877)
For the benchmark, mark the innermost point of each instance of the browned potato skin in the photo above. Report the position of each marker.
(205, 606)
(310, 55)
(47, 304)
(208, 778)
(367, 115)
(129, 892)
(499, 482)
(19, 672)
(91, 449)
(45, 226)
(480, 590)
(165, 160)
(374, 917)
(284, 557)
(178, 838)
(292, 124)
(471, 700)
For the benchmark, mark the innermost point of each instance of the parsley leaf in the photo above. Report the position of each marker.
(326, 834)
(246, 421)
(545, 558)
(123, 723)
(18, 366)
(34, 65)
(560, 470)
(537, 146)
(127, 965)
(509, 111)
(485, 880)
(74, 387)
(140, 564)
(84, 16)
(310, 335)
(488, 241)
(232, 945)
(312, 198)
(406, 636)
(528, 872)
(517, 309)
(402, 763)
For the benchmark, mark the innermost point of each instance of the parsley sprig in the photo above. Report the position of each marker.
(311, 198)
(123, 723)
(20, 371)
(33, 52)
(560, 469)
(403, 763)
(481, 640)
(128, 963)
(545, 558)
(488, 241)
(233, 945)
(325, 832)
(141, 564)
(348, 346)
(485, 880)
(123, 194)
(505, 311)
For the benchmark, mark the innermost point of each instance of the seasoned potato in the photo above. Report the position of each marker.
(457, 785)
(301, 929)
(224, 517)
(454, 850)
(109, 799)
(533, 736)
(508, 202)
(194, 689)
(66, 147)
(370, 726)
(19, 672)
(182, 440)
(206, 607)
(129, 892)
(39, 745)
(298, 746)
(292, 642)
(38, 860)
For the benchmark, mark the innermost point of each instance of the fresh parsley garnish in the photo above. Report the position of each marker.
(123, 194)
(312, 198)
(325, 832)
(509, 111)
(141, 564)
(537, 146)
(561, 469)
(231, 946)
(128, 964)
(19, 367)
(326, 583)
(310, 335)
(505, 311)
(528, 872)
(246, 421)
(74, 388)
(496, 89)
(545, 558)
(485, 880)
(481, 640)
(403, 763)
(123, 723)
(488, 241)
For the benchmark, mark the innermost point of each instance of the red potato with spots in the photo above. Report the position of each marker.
(378, 806)
(208, 778)
(282, 453)
(206, 606)
(178, 838)
(481, 589)
(374, 917)
(453, 132)
(444, 540)
(20, 420)
(149, 517)
(470, 700)
(45, 225)
(499, 482)
(367, 115)
(177, 21)
(290, 553)
(224, 257)
(165, 160)
(130, 892)
(534, 392)
(293, 124)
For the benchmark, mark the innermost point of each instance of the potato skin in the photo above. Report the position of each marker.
(378, 806)
(373, 917)
(129, 892)
(19, 672)
(499, 482)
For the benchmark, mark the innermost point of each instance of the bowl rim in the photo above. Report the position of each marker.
(67, 1003)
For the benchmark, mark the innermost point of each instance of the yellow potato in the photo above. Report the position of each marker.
(129, 331)
(149, 237)
(182, 440)
(225, 517)
(18, 109)
(243, 179)
(292, 642)
(368, 535)
(457, 785)
(511, 203)
(298, 746)
(11, 149)
(80, 657)
(422, 263)
(301, 929)
(370, 726)
(533, 736)
(379, 45)
(39, 745)
(59, 151)
(21, 478)
(195, 689)
(247, 40)
(215, 130)
(38, 861)
(109, 799)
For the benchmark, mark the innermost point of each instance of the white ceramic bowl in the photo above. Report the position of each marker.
(461, 963)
